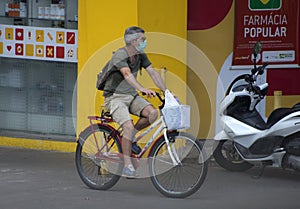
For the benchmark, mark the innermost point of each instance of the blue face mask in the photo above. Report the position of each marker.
(141, 46)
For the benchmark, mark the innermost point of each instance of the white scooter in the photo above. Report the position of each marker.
(246, 138)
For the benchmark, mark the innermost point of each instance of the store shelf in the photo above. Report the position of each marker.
(40, 19)
(31, 13)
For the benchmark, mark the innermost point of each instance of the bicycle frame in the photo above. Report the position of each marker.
(162, 127)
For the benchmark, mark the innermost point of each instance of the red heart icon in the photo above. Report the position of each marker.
(8, 47)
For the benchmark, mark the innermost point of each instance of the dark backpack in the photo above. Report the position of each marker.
(105, 73)
(102, 76)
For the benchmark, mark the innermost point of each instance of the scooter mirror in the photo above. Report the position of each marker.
(257, 49)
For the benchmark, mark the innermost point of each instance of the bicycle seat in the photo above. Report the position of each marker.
(106, 115)
(105, 112)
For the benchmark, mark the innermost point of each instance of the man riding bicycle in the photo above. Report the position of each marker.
(120, 92)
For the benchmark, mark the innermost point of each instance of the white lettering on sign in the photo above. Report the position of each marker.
(253, 20)
(267, 26)
(265, 32)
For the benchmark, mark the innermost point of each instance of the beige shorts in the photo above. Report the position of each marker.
(122, 105)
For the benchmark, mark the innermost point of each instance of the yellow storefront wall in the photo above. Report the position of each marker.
(100, 27)
(166, 20)
(100, 30)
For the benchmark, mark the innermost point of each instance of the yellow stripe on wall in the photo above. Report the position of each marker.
(38, 144)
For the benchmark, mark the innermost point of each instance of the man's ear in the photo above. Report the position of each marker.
(133, 41)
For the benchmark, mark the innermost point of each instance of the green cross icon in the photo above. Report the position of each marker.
(264, 4)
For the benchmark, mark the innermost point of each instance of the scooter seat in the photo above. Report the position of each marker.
(280, 113)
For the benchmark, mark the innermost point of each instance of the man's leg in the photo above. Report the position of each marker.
(129, 170)
(118, 106)
(126, 141)
(148, 116)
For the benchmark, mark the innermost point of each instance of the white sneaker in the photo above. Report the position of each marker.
(129, 171)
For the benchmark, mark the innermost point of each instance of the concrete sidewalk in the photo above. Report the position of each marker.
(31, 179)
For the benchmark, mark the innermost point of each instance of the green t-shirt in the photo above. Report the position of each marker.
(116, 82)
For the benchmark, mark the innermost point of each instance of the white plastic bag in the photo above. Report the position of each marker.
(170, 99)
(177, 116)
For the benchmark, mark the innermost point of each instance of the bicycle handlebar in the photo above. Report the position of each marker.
(159, 97)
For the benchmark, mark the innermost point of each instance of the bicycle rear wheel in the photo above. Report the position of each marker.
(182, 180)
(98, 160)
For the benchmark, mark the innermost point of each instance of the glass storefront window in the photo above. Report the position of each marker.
(36, 96)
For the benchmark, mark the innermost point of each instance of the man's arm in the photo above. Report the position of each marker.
(126, 72)
(156, 78)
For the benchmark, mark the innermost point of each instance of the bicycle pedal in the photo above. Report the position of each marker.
(135, 149)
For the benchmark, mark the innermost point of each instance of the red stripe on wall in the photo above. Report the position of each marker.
(285, 80)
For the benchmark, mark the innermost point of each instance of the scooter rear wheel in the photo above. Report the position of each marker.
(227, 157)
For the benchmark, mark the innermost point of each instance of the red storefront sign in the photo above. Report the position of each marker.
(273, 22)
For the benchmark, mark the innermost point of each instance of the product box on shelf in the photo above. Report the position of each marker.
(16, 9)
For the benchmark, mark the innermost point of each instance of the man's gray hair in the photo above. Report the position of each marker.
(132, 33)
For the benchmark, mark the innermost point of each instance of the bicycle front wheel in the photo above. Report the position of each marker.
(98, 159)
(184, 179)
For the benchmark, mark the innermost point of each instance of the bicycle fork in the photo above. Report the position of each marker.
(171, 149)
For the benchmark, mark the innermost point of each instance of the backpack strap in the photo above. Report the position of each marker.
(138, 57)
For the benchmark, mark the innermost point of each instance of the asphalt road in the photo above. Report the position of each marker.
(31, 179)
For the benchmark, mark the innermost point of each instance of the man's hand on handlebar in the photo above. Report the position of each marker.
(148, 92)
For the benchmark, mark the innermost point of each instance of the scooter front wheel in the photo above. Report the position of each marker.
(227, 157)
